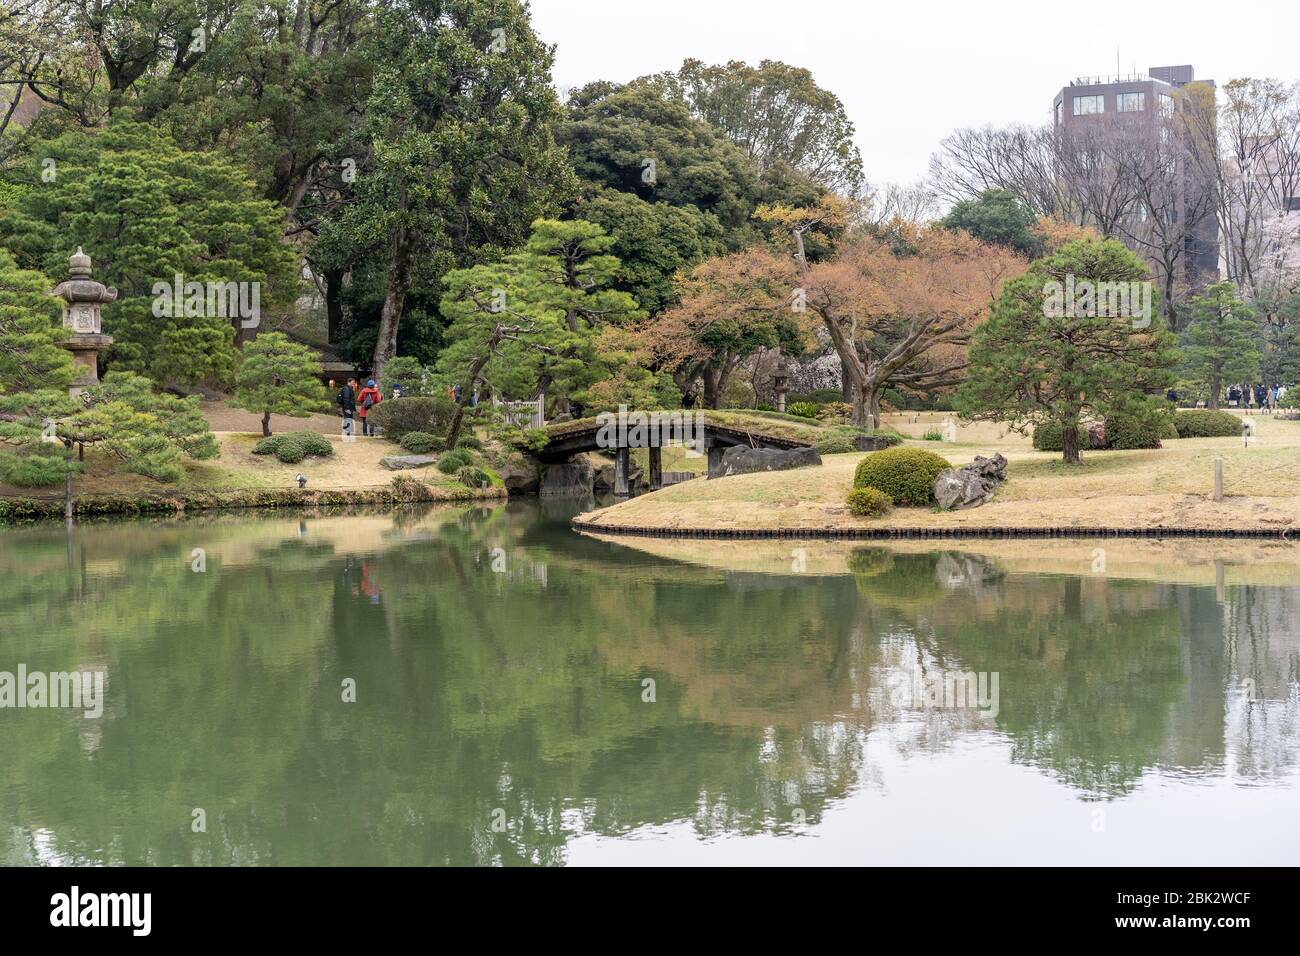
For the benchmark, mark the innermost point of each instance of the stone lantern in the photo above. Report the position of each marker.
(83, 297)
(781, 382)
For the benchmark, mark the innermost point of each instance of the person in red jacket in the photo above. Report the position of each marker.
(367, 399)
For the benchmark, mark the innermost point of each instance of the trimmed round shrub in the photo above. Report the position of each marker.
(469, 441)
(869, 502)
(1127, 431)
(905, 474)
(472, 477)
(397, 416)
(802, 409)
(1203, 423)
(422, 443)
(1047, 437)
(293, 447)
(453, 461)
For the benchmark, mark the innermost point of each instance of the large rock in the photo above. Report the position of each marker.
(404, 462)
(521, 475)
(872, 442)
(570, 479)
(971, 485)
(743, 460)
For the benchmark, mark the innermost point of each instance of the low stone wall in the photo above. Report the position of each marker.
(956, 532)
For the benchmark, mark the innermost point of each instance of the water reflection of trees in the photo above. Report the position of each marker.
(511, 680)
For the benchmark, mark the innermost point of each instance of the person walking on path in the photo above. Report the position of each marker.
(367, 399)
(347, 403)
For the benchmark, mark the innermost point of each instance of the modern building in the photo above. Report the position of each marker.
(1138, 106)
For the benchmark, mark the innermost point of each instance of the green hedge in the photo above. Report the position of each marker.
(1047, 437)
(397, 416)
(905, 474)
(1203, 423)
(293, 447)
(869, 502)
(453, 461)
(422, 443)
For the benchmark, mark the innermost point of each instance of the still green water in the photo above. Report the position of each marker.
(525, 695)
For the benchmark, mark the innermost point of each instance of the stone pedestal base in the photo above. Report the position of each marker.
(85, 351)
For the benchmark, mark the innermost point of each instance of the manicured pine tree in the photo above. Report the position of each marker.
(279, 376)
(1033, 363)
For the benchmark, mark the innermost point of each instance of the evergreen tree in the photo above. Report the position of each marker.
(1037, 360)
(1221, 342)
(35, 371)
(279, 376)
(147, 211)
(537, 314)
(999, 218)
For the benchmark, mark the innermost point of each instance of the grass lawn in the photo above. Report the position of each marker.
(354, 464)
(1165, 487)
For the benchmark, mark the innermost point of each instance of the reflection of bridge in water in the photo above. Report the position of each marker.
(708, 434)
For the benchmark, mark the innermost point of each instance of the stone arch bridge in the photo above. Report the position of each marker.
(711, 433)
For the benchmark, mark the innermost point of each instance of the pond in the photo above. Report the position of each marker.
(481, 685)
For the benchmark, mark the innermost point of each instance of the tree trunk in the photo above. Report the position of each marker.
(1212, 403)
(266, 424)
(871, 403)
(846, 383)
(333, 304)
(466, 390)
(712, 387)
(1070, 441)
(399, 282)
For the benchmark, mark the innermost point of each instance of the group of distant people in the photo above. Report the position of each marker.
(454, 392)
(1266, 398)
(356, 402)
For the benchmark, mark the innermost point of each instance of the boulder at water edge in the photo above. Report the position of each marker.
(971, 485)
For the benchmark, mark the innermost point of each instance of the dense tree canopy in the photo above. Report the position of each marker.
(776, 113)
(147, 211)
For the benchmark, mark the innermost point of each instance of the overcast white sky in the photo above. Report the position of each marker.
(911, 72)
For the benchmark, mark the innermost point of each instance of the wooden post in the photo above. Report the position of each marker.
(1218, 479)
(656, 467)
(622, 466)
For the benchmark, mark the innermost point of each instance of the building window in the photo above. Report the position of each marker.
(1293, 203)
(1130, 102)
(1089, 105)
(1166, 104)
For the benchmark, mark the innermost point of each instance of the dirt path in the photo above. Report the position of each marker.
(222, 418)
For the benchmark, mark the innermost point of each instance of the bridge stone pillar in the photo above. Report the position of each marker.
(622, 468)
(656, 468)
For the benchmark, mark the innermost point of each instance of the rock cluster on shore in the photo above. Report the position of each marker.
(971, 485)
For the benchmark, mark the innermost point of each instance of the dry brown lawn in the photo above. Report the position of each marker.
(1169, 487)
